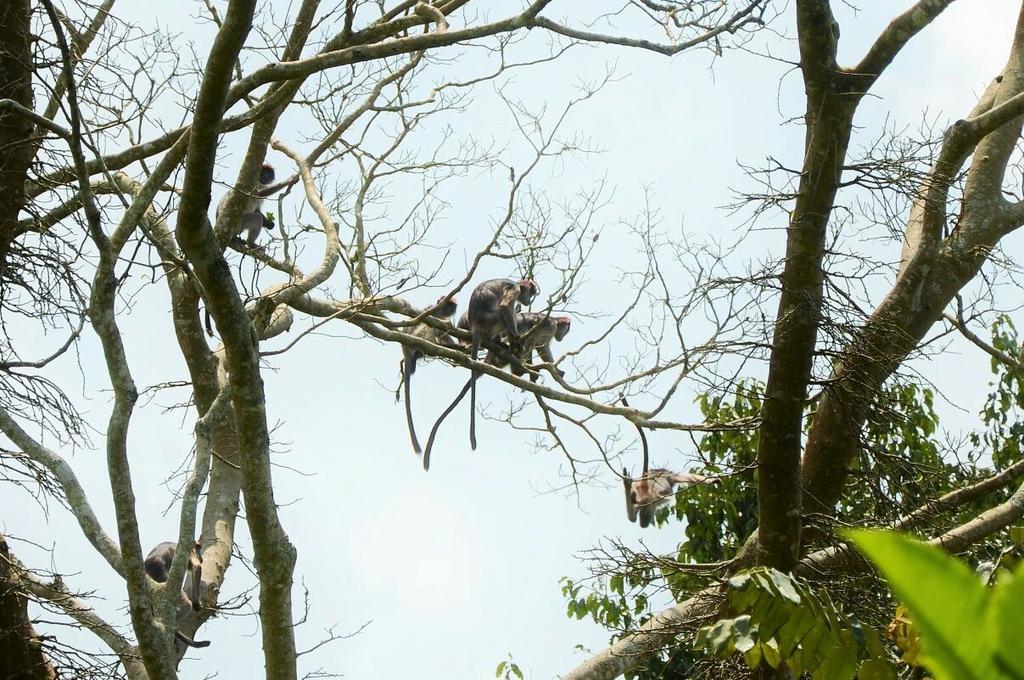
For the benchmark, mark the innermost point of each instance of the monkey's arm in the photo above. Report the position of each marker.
(545, 353)
(271, 189)
(687, 479)
(197, 584)
(507, 310)
(627, 483)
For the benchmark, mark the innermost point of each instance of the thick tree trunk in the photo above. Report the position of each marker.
(931, 275)
(15, 130)
(21, 654)
(828, 124)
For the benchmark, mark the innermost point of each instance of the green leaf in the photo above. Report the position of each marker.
(770, 649)
(875, 669)
(1008, 615)
(1017, 535)
(775, 616)
(944, 598)
(795, 630)
(785, 587)
(752, 657)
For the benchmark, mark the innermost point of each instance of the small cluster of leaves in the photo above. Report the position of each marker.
(719, 520)
(508, 669)
(783, 622)
(1003, 413)
(618, 608)
(967, 631)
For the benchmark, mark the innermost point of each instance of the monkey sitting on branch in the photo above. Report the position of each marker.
(158, 564)
(654, 487)
(444, 310)
(491, 313)
(537, 332)
(251, 218)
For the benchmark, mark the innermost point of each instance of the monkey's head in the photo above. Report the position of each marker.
(645, 500)
(562, 324)
(528, 289)
(267, 174)
(446, 307)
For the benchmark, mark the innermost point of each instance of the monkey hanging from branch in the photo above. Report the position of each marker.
(654, 487)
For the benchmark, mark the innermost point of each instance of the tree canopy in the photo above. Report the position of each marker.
(785, 242)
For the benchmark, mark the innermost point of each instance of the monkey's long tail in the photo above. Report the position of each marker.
(408, 417)
(643, 440)
(189, 641)
(472, 412)
(437, 424)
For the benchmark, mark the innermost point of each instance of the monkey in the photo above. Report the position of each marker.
(463, 325)
(537, 332)
(158, 564)
(654, 487)
(492, 312)
(445, 309)
(251, 217)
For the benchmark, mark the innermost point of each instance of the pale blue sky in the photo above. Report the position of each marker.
(456, 568)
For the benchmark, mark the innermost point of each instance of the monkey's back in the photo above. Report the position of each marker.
(158, 561)
(483, 303)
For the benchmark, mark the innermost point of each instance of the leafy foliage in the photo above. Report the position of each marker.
(967, 632)
(783, 622)
(1003, 413)
(508, 669)
(903, 464)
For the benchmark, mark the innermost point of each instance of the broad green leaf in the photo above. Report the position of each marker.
(945, 600)
(744, 642)
(875, 669)
(785, 587)
(701, 641)
(752, 657)
(718, 638)
(770, 649)
(1017, 535)
(840, 664)
(1008, 618)
(775, 615)
(814, 646)
(791, 634)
